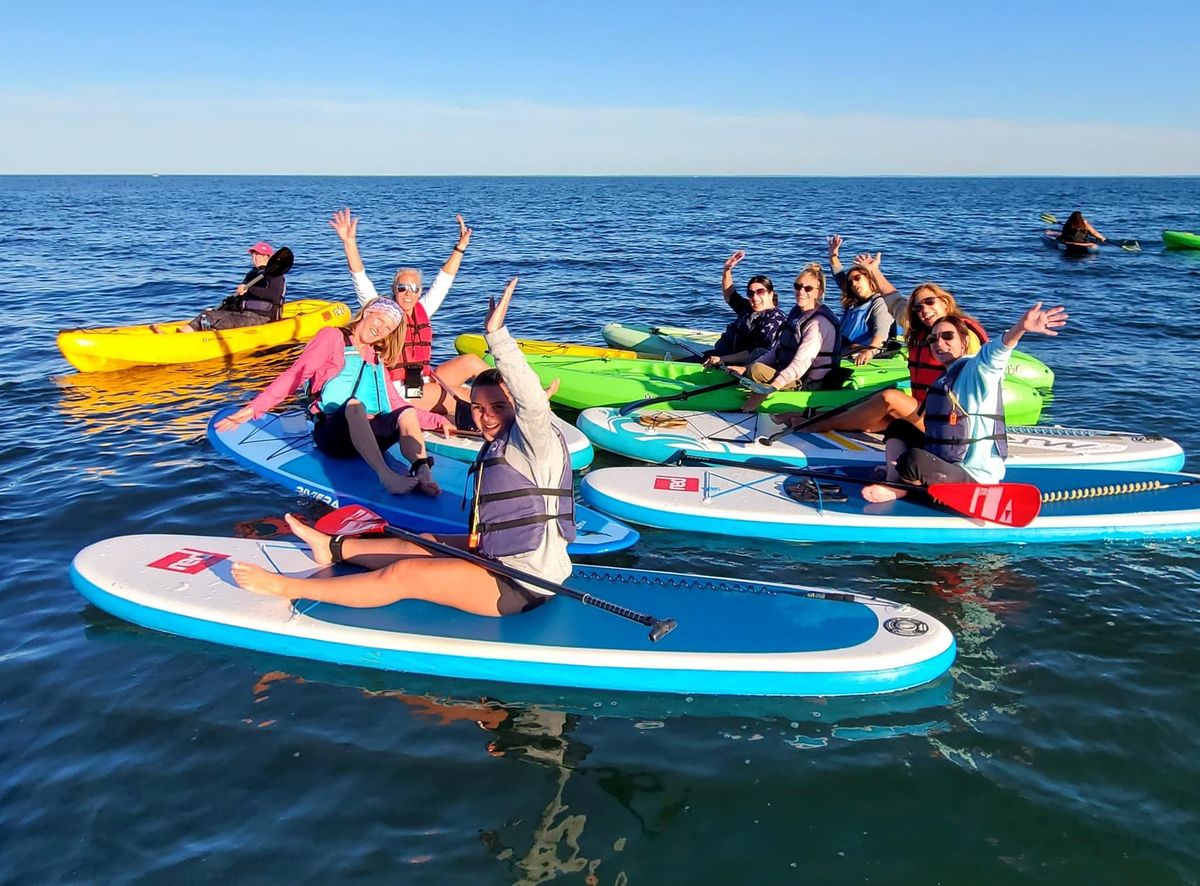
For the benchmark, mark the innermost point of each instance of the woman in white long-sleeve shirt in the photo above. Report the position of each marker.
(435, 388)
(523, 512)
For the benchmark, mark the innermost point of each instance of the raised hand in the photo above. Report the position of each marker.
(1046, 322)
(871, 262)
(733, 260)
(344, 224)
(497, 311)
(835, 243)
(464, 233)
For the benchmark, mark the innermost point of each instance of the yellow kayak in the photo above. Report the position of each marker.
(474, 344)
(119, 347)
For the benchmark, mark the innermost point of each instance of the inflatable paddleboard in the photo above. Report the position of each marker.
(733, 637)
(655, 435)
(674, 342)
(464, 447)
(105, 349)
(760, 504)
(279, 447)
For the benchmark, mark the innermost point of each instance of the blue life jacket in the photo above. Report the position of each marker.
(356, 379)
(854, 326)
(948, 425)
(508, 510)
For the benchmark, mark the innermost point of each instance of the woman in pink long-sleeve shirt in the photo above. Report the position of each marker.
(356, 411)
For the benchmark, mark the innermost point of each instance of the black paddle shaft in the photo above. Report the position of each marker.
(277, 265)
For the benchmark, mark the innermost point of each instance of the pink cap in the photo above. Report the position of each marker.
(262, 248)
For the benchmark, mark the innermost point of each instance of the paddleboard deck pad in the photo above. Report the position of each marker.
(279, 447)
(654, 435)
(733, 637)
(1077, 506)
(465, 447)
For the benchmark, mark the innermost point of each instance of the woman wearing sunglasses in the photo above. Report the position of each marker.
(869, 303)
(959, 436)
(436, 389)
(759, 320)
(928, 304)
(806, 356)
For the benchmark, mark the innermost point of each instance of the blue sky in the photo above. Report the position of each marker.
(742, 87)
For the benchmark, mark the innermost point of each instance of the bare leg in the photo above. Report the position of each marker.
(453, 373)
(874, 415)
(442, 580)
(353, 549)
(364, 442)
(412, 444)
(875, 493)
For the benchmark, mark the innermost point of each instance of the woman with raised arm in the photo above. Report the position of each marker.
(870, 304)
(355, 410)
(522, 512)
(962, 436)
(439, 388)
(759, 320)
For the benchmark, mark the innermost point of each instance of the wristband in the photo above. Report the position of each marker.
(460, 250)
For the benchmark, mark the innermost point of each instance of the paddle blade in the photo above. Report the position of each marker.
(351, 520)
(1009, 504)
(1049, 219)
(279, 263)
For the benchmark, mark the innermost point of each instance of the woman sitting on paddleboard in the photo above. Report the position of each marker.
(959, 436)
(806, 357)
(1077, 229)
(759, 320)
(437, 389)
(522, 515)
(928, 304)
(355, 410)
(868, 303)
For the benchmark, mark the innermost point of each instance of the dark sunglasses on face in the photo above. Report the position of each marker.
(406, 287)
(760, 291)
(800, 287)
(927, 302)
(944, 335)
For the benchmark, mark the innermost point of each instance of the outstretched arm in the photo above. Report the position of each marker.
(835, 245)
(728, 290)
(346, 226)
(529, 399)
(1044, 322)
(460, 248)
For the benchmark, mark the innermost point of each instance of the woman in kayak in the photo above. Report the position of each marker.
(1077, 229)
(759, 320)
(806, 356)
(356, 412)
(524, 478)
(928, 304)
(258, 299)
(437, 389)
(962, 437)
(868, 304)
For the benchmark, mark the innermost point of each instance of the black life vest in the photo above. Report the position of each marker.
(948, 425)
(793, 332)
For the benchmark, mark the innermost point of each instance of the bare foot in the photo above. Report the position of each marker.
(258, 580)
(317, 541)
(876, 493)
(397, 484)
(426, 483)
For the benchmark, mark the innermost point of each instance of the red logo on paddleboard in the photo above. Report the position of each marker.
(677, 484)
(188, 561)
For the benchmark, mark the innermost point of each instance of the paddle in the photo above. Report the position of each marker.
(749, 384)
(1009, 504)
(1127, 245)
(820, 416)
(277, 265)
(673, 398)
(356, 520)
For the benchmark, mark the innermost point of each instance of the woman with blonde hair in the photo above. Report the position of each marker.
(355, 410)
(928, 304)
(809, 348)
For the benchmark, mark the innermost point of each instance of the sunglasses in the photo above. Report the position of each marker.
(760, 291)
(927, 302)
(800, 287)
(406, 287)
(944, 335)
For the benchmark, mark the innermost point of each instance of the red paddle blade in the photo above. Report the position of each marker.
(1009, 504)
(351, 520)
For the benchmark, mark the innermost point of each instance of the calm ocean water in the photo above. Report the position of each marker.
(1061, 748)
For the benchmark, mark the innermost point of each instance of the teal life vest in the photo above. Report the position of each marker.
(357, 379)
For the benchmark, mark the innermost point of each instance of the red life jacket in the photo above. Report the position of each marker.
(924, 369)
(418, 344)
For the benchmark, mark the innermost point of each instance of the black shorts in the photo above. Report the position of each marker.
(331, 432)
(918, 465)
(516, 598)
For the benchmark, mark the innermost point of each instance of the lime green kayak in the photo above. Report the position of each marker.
(1181, 240)
(584, 382)
(660, 341)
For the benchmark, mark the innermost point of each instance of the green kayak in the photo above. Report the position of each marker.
(1181, 240)
(584, 382)
(674, 341)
